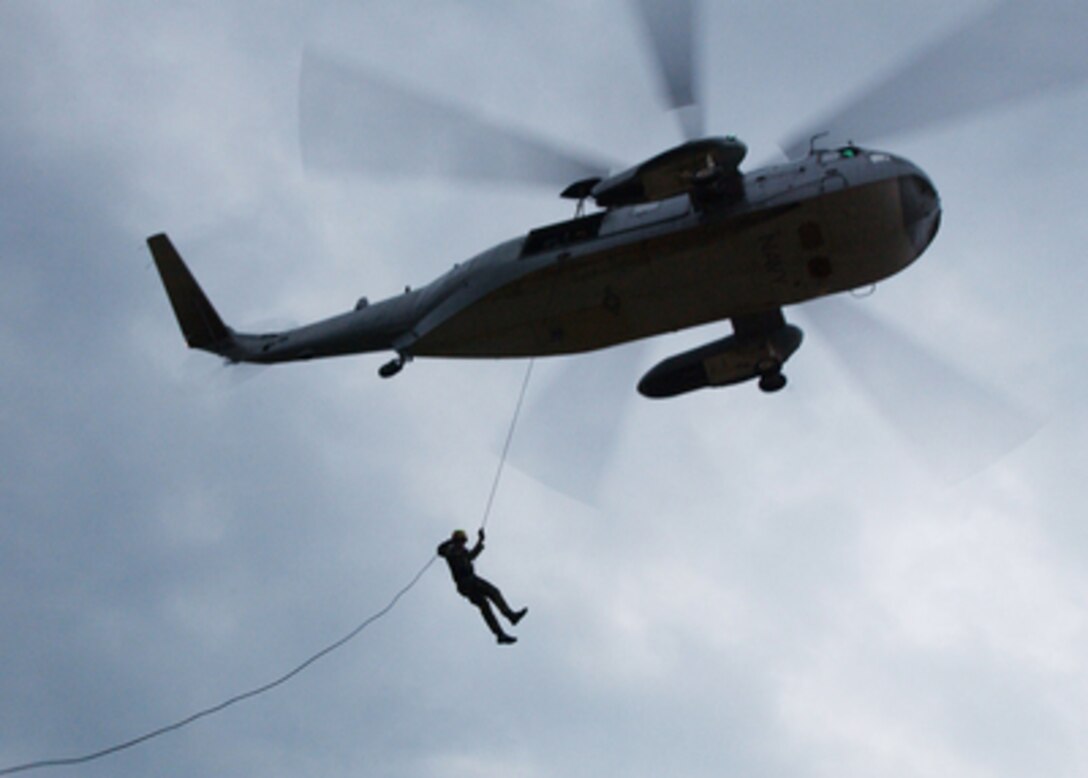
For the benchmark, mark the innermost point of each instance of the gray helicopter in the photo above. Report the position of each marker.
(683, 239)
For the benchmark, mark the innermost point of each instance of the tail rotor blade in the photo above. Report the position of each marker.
(670, 25)
(957, 425)
(355, 121)
(1013, 51)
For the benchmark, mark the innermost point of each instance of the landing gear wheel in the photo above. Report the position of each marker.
(390, 369)
(772, 382)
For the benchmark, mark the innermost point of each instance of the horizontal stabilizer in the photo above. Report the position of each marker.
(199, 322)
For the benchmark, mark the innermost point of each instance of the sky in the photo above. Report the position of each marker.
(758, 586)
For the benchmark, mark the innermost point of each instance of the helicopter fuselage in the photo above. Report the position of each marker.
(833, 221)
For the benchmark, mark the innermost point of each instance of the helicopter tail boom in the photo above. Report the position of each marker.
(199, 322)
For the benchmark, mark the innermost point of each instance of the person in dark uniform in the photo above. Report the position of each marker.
(476, 590)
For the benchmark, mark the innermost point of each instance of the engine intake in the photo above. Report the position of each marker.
(707, 168)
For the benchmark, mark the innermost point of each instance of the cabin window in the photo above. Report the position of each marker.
(557, 236)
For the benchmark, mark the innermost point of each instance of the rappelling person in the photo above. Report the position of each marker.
(476, 590)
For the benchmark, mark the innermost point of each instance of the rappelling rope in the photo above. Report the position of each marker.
(226, 704)
(76, 760)
(506, 445)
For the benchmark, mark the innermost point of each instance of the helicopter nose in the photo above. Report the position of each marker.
(921, 209)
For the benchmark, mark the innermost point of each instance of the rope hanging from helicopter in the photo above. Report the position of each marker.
(95, 755)
(267, 687)
(506, 443)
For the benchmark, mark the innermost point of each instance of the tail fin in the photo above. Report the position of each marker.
(200, 324)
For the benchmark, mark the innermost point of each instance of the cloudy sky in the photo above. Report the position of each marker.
(761, 586)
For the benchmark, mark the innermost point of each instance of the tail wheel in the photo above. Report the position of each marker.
(772, 381)
(390, 369)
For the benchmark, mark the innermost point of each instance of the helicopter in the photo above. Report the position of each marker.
(682, 239)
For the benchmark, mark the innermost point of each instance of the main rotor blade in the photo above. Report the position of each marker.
(570, 432)
(953, 422)
(355, 121)
(1013, 51)
(670, 25)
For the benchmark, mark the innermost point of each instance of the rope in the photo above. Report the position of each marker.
(506, 445)
(75, 760)
(226, 704)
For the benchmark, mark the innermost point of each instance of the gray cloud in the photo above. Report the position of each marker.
(766, 585)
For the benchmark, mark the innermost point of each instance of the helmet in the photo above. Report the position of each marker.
(459, 535)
